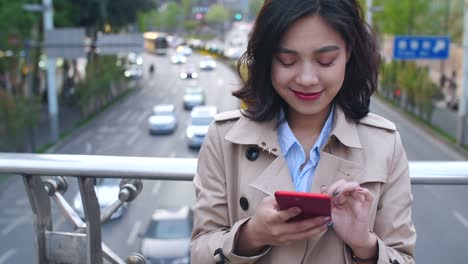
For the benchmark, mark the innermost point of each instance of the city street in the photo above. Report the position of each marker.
(440, 212)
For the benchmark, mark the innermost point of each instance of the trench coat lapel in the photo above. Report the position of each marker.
(265, 136)
(332, 168)
(275, 177)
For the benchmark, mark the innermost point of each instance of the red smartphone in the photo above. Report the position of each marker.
(311, 204)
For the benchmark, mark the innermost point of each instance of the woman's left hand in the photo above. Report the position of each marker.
(351, 206)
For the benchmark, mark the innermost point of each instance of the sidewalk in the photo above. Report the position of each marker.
(69, 117)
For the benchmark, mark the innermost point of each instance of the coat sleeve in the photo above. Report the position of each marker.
(393, 224)
(213, 236)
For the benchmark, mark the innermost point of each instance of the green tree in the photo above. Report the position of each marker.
(217, 14)
(187, 8)
(170, 16)
(254, 7)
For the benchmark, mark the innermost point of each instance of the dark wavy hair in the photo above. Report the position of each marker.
(274, 19)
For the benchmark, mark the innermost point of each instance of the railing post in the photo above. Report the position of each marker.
(93, 220)
(40, 205)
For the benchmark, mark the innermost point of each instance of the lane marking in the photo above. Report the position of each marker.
(460, 218)
(22, 220)
(133, 137)
(134, 233)
(431, 191)
(22, 201)
(10, 253)
(156, 187)
(13, 211)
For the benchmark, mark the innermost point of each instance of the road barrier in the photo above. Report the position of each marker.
(43, 177)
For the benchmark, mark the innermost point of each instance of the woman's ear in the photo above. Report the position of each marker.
(348, 54)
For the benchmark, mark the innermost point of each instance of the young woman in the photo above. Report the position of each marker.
(312, 67)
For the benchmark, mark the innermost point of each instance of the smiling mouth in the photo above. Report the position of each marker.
(307, 96)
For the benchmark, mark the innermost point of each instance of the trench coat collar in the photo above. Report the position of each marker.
(265, 134)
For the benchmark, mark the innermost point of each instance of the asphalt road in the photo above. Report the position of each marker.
(440, 212)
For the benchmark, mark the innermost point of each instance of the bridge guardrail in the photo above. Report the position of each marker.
(85, 244)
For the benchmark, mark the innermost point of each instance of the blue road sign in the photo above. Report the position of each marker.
(421, 47)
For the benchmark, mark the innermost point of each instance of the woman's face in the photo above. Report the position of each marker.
(309, 67)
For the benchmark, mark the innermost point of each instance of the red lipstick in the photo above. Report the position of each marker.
(307, 96)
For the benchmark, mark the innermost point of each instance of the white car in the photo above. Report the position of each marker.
(193, 96)
(163, 119)
(178, 59)
(184, 50)
(207, 63)
(167, 236)
(200, 119)
(107, 192)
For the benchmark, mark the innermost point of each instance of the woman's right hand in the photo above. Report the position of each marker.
(269, 227)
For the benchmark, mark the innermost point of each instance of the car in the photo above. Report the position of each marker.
(200, 119)
(163, 119)
(107, 192)
(189, 72)
(184, 50)
(207, 63)
(178, 59)
(167, 236)
(193, 96)
(134, 72)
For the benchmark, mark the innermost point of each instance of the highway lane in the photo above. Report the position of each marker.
(439, 212)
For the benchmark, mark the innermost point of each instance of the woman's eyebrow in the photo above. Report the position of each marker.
(286, 50)
(327, 49)
(323, 49)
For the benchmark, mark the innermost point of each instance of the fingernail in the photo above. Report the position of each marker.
(323, 189)
(330, 225)
(336, 192)
(326, 220)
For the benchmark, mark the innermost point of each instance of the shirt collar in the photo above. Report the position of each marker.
(287, 138)
(265, 134)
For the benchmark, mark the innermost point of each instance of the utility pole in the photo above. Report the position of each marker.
(48, 19)
(369, 12)
(464, 94)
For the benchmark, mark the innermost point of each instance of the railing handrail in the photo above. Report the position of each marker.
(181, 169)
(49, 243)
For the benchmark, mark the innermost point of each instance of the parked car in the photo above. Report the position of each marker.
(167, 236)
(207, 63)
(178, 59)
(193, 96)
(163, 119)
(107, 192)
(189, 72)
(200, 119)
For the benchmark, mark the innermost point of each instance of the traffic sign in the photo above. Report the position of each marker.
(421, 47)
(67, 43)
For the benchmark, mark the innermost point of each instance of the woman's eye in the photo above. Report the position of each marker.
(286, 61)
(326, 63)
(287, 64)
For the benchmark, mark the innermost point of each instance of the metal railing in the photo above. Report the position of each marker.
(85, 244)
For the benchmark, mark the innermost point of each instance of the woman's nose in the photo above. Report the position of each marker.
(307, 75)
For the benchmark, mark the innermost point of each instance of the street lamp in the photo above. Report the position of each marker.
(48, 20)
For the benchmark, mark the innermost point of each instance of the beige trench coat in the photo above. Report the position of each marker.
(231, 181)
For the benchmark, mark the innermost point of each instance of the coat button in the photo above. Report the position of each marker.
(219, 256)
(244, 203)
(252, 153)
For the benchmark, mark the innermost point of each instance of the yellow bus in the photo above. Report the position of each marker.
(156, 42)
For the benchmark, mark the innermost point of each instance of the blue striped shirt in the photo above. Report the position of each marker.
(295, 156)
